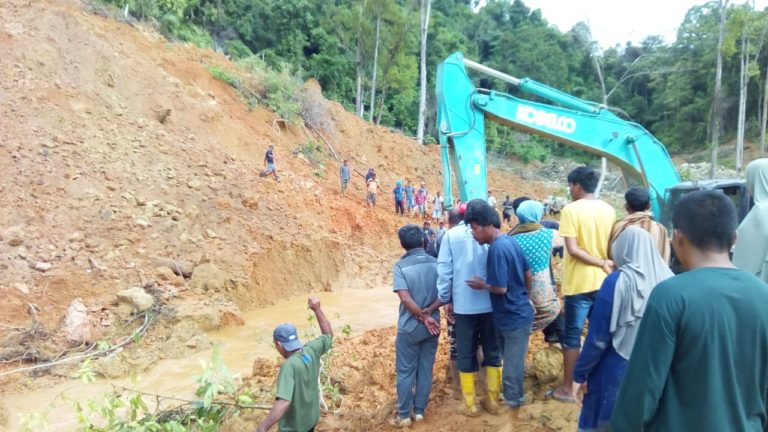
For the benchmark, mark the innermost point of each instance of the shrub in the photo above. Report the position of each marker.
(224, 76)
(236, 49)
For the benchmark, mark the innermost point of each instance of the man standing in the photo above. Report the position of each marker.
(461, 258)
(399, 194)
(437, 208)
(421, 203)
(297, 399)
(507, 210)
(410, 201)
(373, 189)
(344, 174)
(415, 282)
(638, 205)
(585, 224)
(491, 200)
(700, 360)
(269, 162)
(429, 233)
(370, 174)
(509, 280)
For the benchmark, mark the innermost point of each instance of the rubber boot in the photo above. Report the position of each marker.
(493, 384)
(468, 391)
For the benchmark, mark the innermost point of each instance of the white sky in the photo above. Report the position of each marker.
(619, 21)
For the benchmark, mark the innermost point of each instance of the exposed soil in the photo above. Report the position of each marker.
(123, 161)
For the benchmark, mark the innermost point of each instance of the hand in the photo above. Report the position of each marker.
(578, 391)
(449, 314)
(427, 310)
(314, 303)
(432, 326)
(608, 266)
(477, 283)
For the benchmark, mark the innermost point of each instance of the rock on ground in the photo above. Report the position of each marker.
(136, 297)
(77, 323)
(547, 365)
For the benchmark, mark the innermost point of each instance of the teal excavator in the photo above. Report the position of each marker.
(463, 109)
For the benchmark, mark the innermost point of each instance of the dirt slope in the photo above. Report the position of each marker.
(119, 151)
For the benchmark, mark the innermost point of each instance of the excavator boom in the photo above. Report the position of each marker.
(463, 109)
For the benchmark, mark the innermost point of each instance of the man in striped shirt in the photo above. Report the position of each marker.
(638, 204)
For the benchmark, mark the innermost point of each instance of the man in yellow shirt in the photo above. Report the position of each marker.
(585, 224)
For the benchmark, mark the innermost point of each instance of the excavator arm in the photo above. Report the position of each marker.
(463, 110)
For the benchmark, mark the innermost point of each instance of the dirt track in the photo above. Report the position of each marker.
(96, 186)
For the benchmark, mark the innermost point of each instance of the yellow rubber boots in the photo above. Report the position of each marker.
(493, 383)
(468, 391)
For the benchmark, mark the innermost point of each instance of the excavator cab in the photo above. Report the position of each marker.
(735, 189)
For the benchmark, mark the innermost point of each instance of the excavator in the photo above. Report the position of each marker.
(463, 109)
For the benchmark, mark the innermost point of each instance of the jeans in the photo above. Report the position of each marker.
(577, 309)
(414, 358)
(399, 207)
(472, 330)
(514, 345)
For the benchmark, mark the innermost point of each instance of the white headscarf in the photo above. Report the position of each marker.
(642, 268)
(751, 250)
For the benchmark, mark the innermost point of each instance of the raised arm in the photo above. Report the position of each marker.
(322, 321)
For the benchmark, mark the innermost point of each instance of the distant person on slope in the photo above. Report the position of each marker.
(638, 205)
(297, 398)
(437, 208)
(344, 175)
(371, 174)
(410, 203)
(399, 195)
(491, 200)
(421, 203)
(751, 250)
(415, 282)
(507, 210)
(373, 189)
(269, 162)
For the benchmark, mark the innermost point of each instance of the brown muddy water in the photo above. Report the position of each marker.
(360, 310)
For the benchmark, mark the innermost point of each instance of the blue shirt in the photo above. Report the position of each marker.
(398, 191)
(416, 272)
(409, 192)
(459, 259)
(344, 172)
(506, 269)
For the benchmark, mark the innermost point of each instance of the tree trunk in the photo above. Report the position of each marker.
(743, 83)
(423, 70)
(375, 68)
(382, 97)
(359, 65)
(603, 161)
(718, 88)
(765, 115)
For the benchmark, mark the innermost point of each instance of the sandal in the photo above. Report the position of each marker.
(550, 394)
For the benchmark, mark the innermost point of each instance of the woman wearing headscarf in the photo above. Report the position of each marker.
(613, 325)
(751, 250)
(537, 243)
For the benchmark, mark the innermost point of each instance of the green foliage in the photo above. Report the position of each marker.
(283, 94)
(224, 76)
(346, 330)
(238, 50)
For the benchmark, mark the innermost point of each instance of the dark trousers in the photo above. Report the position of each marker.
(554, 332)
(472, 330)
(399, 207)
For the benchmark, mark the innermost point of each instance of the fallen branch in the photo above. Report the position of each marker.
(188, 401)
(325, 140)
(86, 354)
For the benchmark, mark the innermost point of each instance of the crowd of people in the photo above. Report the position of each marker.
(662, 351)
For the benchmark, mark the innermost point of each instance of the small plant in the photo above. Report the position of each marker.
(224, 76)
(318, 174)
(346, 330)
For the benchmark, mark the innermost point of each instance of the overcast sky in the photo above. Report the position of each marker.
(619, 21)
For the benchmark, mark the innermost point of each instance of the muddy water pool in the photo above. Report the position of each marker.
(352, 311)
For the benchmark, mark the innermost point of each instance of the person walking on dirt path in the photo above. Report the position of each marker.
(421, 203)
(508, 281)
(437, 208)
(415, 283)
(700, 359)
(613, 325)
(344, 175)
(460, 258)
(491, 200)
(373, 189)
(586, 225)
(269, 163)
(399, 194)
(297, 398)
(507, 210)
(751, 250)
(638, 206)
(410, 203)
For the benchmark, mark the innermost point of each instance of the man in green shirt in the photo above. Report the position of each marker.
(297, 399)
(700, 360)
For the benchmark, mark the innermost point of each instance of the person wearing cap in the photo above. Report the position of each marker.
(415, 283)
(297, 398)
